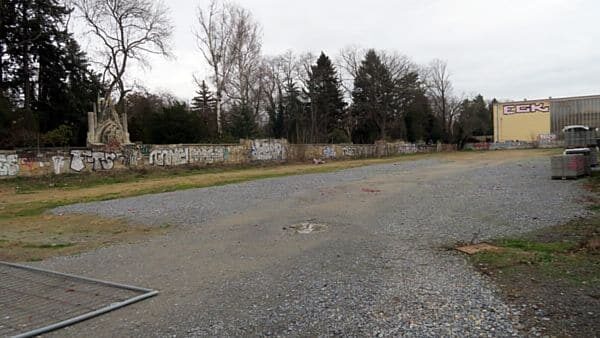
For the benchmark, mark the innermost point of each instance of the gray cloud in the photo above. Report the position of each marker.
(504, 49)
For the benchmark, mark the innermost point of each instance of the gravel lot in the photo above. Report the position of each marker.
(231, 265)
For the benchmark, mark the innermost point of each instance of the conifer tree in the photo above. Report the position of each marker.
(327, 104)
(374, 94)
(295, 114)
(243, 124)
(43, 73)
(204, 104)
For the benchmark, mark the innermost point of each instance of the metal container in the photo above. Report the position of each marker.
(581, 139)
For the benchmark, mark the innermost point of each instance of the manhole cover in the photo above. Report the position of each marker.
(308, 227)
(35, 301)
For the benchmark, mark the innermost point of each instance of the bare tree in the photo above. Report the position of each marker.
(445, 105)
(305, 62)
(213, 38)
(128, 30)
(348, 63)
(246, 51)
(398, 64)
(272, 84)
(230, 41)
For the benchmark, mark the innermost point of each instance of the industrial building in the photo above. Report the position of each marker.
(535, 120)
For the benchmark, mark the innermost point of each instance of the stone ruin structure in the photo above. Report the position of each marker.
(105, 126)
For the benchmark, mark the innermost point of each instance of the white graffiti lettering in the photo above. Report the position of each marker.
(59, 164)
(408, 149)
(131, 157)
(348, 151)
(170, 157)
(77, 159)
(9, 165)
(268, 150)
(329, 152)
(208, 154)
(103, 161)
(100, 160)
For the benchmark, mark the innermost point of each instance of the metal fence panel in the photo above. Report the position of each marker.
(34, 301)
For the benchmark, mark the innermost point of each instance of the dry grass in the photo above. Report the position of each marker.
(39, 237)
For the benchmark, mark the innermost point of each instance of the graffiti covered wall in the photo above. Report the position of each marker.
(196, 155)
(106, 159)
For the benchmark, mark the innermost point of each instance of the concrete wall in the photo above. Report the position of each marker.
(81, 160)
(511, 145)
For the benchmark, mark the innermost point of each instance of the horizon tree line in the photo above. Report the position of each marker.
(47, 84)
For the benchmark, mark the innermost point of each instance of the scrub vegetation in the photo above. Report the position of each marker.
(552, 276)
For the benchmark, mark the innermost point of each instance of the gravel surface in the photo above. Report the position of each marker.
(233, 264)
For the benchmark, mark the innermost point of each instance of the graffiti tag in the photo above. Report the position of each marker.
(526, 108)
(9, 165)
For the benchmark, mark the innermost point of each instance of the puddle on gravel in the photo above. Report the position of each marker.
(308, 227)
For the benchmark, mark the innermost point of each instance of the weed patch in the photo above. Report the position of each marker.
(555, 271)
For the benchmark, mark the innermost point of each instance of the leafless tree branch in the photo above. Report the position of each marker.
(127, 30)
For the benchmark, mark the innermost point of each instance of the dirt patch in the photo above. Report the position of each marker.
(39, 237)
(551, 278)
(477, 248)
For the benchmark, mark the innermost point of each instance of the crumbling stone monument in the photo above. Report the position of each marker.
(105, 126)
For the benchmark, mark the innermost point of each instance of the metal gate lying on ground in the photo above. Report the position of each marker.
(34, 301)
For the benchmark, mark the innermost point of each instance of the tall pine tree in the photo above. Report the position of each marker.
(205, 105)
(296, 122)
(327, 103)
(373, 96)
(243, 123)
(43, 72)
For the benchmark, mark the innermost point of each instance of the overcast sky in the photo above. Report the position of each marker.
(508, 49)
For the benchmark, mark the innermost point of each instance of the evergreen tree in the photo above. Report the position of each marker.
(205, 105)
(416, 117)
(374, 95)
(327, 104)
(483, 116)
(7, 38)
(66, 102)
(6, 118)
(242, 124)
(411, 108)
(43, 72)
(474, 120)
(142, 109)
(277, 118)
(175, 123)
(295, 117)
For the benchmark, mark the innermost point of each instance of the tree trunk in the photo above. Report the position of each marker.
(219, 126)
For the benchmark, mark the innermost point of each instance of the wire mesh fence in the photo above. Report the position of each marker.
(33, 301)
